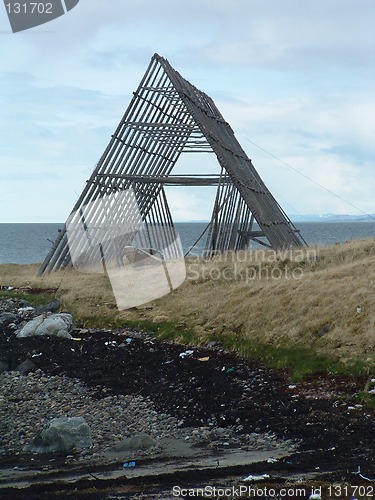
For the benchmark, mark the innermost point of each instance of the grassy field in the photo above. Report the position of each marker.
(309, 311)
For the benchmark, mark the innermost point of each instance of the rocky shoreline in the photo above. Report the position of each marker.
(30, 397)
(153, 407)
(28, 402)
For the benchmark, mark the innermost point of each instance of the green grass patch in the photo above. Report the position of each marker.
(165, 331)
(99, 321)
(39, 299)
(300, 362)
(365, 399)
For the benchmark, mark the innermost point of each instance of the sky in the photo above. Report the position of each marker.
(294, 78)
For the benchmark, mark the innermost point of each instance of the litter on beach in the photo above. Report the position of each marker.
(259, 477)
(189, 352)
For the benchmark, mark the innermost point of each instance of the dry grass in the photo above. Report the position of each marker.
(305, 300)
(85, 295)
(310, 300)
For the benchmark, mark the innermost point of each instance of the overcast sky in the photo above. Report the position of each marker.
(293, 77)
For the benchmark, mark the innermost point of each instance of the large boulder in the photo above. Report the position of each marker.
(58, 325)
(62, 434)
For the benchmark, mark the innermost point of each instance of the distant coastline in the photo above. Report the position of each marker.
(308, 218)
(28, 243)
(293, 218)
(333, 218)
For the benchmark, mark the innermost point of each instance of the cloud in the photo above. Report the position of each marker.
(195, 204)
(325, 139)
(296, 35)
(294, 77)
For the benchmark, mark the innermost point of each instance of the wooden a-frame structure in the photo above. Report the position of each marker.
(166, 117)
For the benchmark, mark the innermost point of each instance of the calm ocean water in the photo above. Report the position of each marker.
(30, 243)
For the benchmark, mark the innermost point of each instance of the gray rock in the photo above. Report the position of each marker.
(325, 329)
(214, 345)
(50, 307)
(25, 367)
(62, 434)
(6, 318)
(58, 325)
(140, 441)
(4, 366)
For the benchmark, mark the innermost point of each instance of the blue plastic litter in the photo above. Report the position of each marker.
(129, 464)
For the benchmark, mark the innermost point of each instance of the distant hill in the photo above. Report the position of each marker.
(332, 218)
(310, 218)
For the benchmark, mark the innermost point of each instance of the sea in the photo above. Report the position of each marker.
(26, 243)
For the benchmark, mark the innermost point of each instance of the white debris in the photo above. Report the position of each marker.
(260, 477)
(22, 310)
(189, 352)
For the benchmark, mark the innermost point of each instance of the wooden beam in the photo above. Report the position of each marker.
(172, 180)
